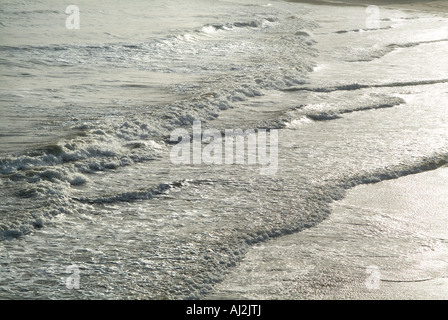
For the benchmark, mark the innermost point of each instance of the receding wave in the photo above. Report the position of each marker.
(335, 114)
(245, 24)
(301, 115)
(132, 196)
(371, 54)
(44, 177)
(358, 86)
(362, 30)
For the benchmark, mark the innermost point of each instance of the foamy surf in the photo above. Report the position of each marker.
(106, 197)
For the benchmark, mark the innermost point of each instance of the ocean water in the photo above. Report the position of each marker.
(86, 115)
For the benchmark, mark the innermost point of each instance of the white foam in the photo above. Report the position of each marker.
(209, 29)
(298, 123)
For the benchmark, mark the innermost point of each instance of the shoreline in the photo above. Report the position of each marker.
(389, 234)
(414, 5)
(391, 230)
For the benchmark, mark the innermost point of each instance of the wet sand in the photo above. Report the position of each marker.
(382, 241)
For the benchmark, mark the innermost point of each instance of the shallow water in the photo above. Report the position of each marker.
(92, 184)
